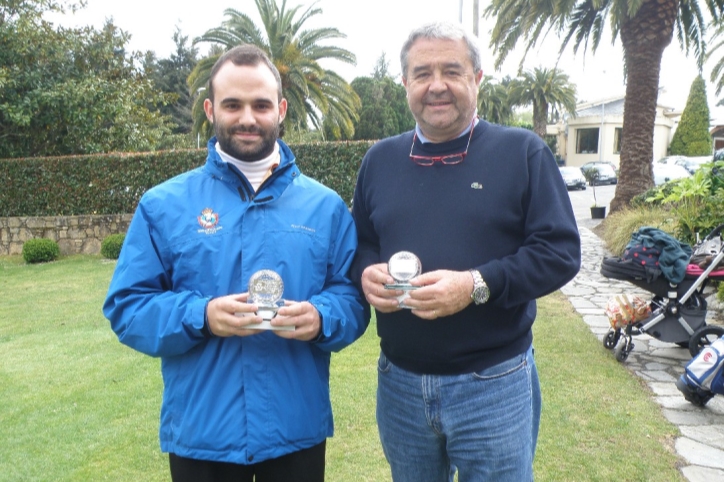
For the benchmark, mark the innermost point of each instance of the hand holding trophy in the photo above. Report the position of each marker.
(265, 290)
(403, 266)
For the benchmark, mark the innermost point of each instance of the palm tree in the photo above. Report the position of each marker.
(646, 28)
(312, 92)
(545, 89)
(717, 73)
(493, 104)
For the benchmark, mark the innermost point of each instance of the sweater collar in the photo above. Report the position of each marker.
(425, 140)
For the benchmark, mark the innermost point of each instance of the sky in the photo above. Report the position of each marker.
(374, 27)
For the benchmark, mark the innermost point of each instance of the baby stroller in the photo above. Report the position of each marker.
(677, 310)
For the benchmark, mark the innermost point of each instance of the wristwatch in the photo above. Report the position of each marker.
(481, 292)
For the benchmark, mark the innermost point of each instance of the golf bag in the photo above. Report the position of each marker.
(703, 377)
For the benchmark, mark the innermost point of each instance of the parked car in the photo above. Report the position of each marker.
(668, 172)
(691, 164)
(573, 177)
(671, 160)
(605, 173)
(589, 165)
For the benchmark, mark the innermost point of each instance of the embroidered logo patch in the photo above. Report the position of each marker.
(209, 221)
(476, 185)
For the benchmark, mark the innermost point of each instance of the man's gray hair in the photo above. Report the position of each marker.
(441, 31)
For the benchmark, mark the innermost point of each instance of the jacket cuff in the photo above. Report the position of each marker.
(205, 331)
(320, 336)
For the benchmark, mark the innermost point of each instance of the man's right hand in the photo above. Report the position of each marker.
(374, 278)
(221, 314)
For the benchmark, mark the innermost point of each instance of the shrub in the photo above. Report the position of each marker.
(697, 202)
(618, 227)
(40, 250)
(111, 246)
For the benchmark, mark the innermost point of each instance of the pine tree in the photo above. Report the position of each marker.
(692, 137)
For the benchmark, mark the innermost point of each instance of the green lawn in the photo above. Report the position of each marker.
(76, 405)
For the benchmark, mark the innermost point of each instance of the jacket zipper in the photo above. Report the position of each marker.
(242, 188)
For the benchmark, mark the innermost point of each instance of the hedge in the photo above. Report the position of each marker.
(114, 183)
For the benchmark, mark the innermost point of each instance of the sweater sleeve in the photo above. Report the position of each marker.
(368, 249)
(550, 254)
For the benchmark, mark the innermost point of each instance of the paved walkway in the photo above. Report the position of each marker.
(659, 364)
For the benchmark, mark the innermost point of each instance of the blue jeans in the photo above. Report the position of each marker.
(483, 424)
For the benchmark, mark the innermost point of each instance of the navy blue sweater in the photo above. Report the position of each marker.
(504, 211)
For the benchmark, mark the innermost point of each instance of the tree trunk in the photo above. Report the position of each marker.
(540, 119)
(644, 38)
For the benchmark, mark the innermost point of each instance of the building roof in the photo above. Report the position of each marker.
(612, 106)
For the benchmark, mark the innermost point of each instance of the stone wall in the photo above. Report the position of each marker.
(74, 234)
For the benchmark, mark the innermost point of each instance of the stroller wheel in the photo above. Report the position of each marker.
(611, 338)
(622, 350)
(704, 336)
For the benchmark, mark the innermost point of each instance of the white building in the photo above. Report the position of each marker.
(595, 134)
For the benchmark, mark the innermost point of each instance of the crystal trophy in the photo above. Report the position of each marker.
(265, 291)
(403, 266)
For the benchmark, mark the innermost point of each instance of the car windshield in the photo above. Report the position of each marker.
(571, 171)
(671, 160)
(590, 165)
(697, 162)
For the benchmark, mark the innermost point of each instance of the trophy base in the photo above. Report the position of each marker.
(267, 315)
(266, 325)
(403, 287)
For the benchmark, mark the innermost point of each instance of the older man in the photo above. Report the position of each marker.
(485, 210)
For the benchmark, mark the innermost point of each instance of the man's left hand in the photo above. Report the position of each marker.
(441, 293)
(303, 316)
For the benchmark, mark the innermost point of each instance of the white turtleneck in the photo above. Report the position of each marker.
(256, 172)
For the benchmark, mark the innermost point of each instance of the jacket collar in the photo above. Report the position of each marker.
(271, 189)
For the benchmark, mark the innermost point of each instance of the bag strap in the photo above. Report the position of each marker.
(626, 306)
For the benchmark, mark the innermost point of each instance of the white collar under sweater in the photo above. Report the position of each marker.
(425, 140)
(257, 171)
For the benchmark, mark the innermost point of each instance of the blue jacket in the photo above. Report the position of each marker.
(202, 235)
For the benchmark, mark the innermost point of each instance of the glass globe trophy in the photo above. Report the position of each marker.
(403, 266)
(265, 290)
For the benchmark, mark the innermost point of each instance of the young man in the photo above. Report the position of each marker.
(486, 211)
(240, 404)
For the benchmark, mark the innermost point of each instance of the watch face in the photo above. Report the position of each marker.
(481, 294)
(403, 266)
(265, 287)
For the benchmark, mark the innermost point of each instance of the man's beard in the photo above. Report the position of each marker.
(245, 152)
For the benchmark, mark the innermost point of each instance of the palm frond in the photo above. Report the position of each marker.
(311, 91)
